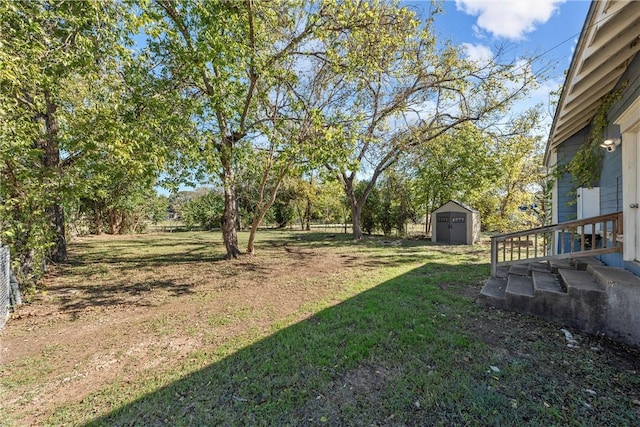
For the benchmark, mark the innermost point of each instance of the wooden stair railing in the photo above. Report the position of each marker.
(584, 237)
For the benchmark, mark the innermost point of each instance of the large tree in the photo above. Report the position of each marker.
(515, 198)
(49, 48)
(88, 120)
(494, 170)
(401, 88)
(246, 63)
(452, 166)
(223, 54)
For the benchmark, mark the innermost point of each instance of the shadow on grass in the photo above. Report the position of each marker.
(207, 246)
(152, 252)
(397, 354)
(195, 253)
(96, 295)
(347, 364)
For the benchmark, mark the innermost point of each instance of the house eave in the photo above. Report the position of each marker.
(608, 42)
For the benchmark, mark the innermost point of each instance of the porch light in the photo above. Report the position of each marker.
(611, 144)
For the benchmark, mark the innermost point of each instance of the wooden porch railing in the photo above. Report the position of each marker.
(584, 237)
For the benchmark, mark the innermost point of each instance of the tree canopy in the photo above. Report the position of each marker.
(273, 103)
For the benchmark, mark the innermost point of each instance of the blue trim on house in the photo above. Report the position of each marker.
(633, 267)
(612, 260)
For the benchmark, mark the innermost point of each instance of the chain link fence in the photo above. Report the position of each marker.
(5, 285)
(9, 290)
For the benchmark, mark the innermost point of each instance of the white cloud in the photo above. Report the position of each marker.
(478, 53)
(509, 19)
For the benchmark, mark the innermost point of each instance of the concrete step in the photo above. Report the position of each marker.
(519, 270)
(494, 288)
(583, 262)
(520, 286)
(519, 295)
(503, 271)
(493, 292)
(547, 282)
(576, 292)
(538, 266)
(577, 281)
(557, 264)
(612, 276)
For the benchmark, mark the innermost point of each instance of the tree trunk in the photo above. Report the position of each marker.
(239, 223)
(356, 216)
(112, 222)
(122, 223)
(252, 236)
(261, 209)
(229, 216)
(300, 217)
(98, 221)
(58, 252)
(356, 213)
(429, 206)
(356, 208)
(307, 215)
(229, 231)
(51, 162)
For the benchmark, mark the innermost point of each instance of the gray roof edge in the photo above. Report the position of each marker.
(462, 205)
(569, 75)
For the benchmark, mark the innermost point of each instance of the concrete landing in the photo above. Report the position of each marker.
(611, 276)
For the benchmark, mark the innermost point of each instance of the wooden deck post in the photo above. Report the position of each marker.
(494, 257)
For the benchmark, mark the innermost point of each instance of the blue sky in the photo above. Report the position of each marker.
(549, 28)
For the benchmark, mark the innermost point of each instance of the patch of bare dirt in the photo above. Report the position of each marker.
(108, 317)
(77, 337)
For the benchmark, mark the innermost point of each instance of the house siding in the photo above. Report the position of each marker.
(567, 209)
(611, 178)
(611, 183)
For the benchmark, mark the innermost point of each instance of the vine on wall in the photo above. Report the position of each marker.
(586, 166)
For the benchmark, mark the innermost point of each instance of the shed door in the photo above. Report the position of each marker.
(451, 228)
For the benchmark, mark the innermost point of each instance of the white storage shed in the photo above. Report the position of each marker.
(454, 223)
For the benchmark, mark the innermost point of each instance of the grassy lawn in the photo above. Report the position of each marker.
(316, 330)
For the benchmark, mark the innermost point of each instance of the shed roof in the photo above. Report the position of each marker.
(462, 205)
